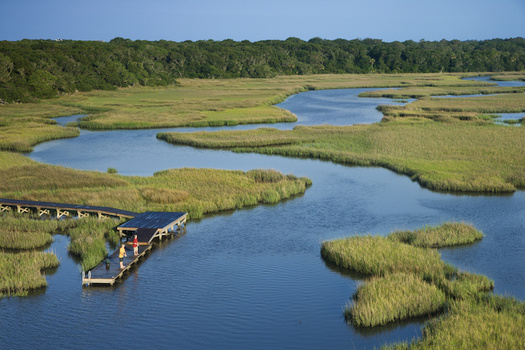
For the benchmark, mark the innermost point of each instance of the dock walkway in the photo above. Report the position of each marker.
(108, 273)
(147, 226)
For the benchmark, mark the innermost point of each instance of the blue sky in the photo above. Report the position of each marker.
(254, 20)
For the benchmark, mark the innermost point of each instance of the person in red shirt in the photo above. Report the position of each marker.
(135, 245)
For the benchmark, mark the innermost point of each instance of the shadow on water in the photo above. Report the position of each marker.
(344, 272)
(392, 326)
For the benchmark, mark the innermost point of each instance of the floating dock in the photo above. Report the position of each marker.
(147, 226)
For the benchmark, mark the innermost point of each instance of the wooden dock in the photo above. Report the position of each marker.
(108, 274)
(147, 226)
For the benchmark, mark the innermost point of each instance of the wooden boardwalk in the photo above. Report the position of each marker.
(103, 274)
(62, 210)
(147, 226)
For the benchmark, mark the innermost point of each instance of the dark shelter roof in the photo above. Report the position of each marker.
(153, 219)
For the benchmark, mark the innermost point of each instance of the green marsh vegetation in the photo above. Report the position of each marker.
(88, 240)
(21, 272)
(446, 234)
(411, 281)
(196, 191)
(23, 235)
(202, 102)
(397, 296)
(21, 231)
(25, 125)
(486, 322)
(456, 156)
(429, 91)
(21, 262)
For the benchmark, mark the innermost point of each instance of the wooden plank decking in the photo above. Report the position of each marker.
(103, 275)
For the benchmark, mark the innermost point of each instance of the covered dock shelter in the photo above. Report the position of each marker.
(152, 224)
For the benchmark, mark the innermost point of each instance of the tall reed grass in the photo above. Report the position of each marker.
(196, 191)
(475, 325)
(428, 91)
(19, 231)
(21, 272)
(407, 280)
(394, 297)
(446, 234)
(380, 256)
(208, 102)
(88, 240)
(457, 157)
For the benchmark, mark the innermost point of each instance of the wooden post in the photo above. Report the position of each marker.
(4, 208)
(22, 210)
(43, 211)
(61, 213)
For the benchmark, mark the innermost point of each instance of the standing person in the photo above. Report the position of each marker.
(121, 255)
(135, 245)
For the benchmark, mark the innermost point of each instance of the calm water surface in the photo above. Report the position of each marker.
(254, 278)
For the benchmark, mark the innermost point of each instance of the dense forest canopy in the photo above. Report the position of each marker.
(33, 69)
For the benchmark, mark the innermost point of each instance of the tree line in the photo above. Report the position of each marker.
(35, 69)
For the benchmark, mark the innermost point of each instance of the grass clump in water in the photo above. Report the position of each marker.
(380, 256)
(88, 240)
(407, 280)
(18, 231)
(394, 297)
(21, 272)
(447, 234)
(491, 322)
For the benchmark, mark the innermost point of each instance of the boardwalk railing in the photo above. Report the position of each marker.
(62, 209)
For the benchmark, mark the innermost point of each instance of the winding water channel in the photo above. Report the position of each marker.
(254, 278)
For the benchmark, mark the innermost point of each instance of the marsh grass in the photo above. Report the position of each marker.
(210, 102)
(21, 272)
(490, 323)
(88, 240)
(380, 256)
(457, 157)
(394, 297)
(21, 137)
(428, 91)
(501, 103)
(446, 234)
(464, 285)
(196, 191)
(25, 232)
(18, 231)
(406, 280)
